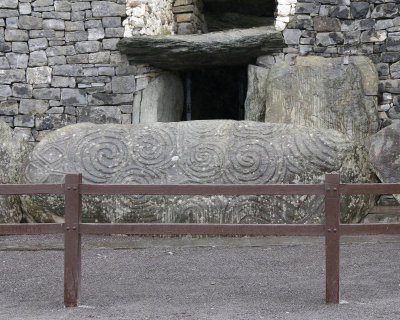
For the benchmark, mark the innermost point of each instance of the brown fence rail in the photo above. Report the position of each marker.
(73, 227)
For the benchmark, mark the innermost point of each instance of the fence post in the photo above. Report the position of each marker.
(332, 236)
(72, 240)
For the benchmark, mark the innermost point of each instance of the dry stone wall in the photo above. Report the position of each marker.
(59, 65)
(340, 28)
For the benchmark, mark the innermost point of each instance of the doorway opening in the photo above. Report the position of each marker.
(230, 14)
(217, 93)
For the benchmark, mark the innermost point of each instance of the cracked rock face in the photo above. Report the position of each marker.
(199, 152)
(13, 152)
(317, 92)
(384, 154)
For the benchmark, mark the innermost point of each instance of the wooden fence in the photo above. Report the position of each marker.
(73, 189)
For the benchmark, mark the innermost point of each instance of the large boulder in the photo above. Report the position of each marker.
(384, 154)
(13, 152)
(317, 92)
(215, 152)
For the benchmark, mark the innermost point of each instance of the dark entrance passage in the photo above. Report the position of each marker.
(216, 93)
(230, 14)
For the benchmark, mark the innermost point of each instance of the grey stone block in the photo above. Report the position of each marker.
(9, 4)
(393, 43)
(5, 47)
(71, 70)
(38, 58)
(307, 8)
(9, 107)
(16, 35)
(395, 70)
(95, 34)
(108, 9)
(10, 76)
(24, 133)
(30, 22)
(327, 39)
(76, 36)
(111, 22)
(47, 93)
(74, 26)
(99, 57)
(387, 10)
(38, 75)
(77, 15)
(25, 8)
(103, 114)
(341, 12)
(5, 13)
(37, 44)
(20, 47)
(123, 84)
(17, 60)
(53, 121)
(63, 82)
(33, 106)
(80, 5)
(42, 34)
(53, 24)
(359, 10)
(60, 51)
(93, 24)
(110, 99)
(22, 90)
(73, 97)
(292, 36)
(12, 23)
(57, 60)
(87, 46)
(25, 120)
(4, 63)
(106, 71)
(55, 110)
(62, 5)
(42, 3)
(110, 44)
(57, 15)
(327, 24)
(114, 32)
(5, 91)
(79, 58)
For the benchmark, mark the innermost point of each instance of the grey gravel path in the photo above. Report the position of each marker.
(210, 278)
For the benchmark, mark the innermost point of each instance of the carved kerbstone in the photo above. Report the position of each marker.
(215, 152)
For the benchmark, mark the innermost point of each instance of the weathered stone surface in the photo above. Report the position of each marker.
(108, 9)
(176, 52)
(256, 97)
(324, 93)
(13, 152)
(103, 114)
(384, 154)
(216, 152)
(39, 75)
(162, 100)
(74, 97)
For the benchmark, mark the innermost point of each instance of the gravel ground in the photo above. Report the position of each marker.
(208, 278)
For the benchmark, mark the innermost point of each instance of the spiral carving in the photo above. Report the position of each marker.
(139, 208)
(204, 163)
(253, 161)
(155, 147)
(248, 209)
(100, 155)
